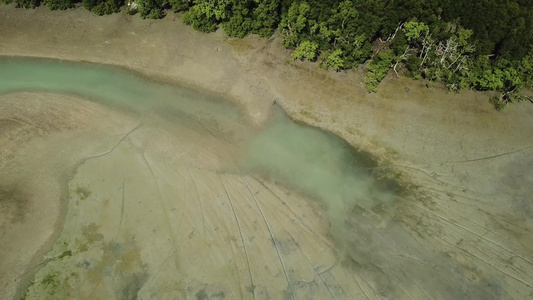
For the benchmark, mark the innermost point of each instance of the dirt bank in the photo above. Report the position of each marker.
(470, 166)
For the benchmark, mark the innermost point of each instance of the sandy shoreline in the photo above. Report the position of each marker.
(472, 162)
(252, 72)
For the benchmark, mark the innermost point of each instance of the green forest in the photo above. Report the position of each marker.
(484, 45)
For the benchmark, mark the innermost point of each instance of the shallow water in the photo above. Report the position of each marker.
(111, 86)
(361, 208)
(310, 160)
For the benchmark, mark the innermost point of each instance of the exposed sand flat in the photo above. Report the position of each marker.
(42, 136)
(152, 213)
(463, 230)
(141, 225)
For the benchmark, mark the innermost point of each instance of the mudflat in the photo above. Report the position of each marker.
(97, 204)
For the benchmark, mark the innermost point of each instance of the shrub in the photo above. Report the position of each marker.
(306, 50)
(103, 7)
(378, 69)
(59, 4)
(333, 60)
(28, 3)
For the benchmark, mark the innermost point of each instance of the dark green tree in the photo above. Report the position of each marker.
(333, 59)
(199, 20)
(103, 7)
(58, 4)
(179, 5)
(239, 22)
(151, 9)
(305, 51)
(28, 3)
(205, 15)
(377, 70)
(265, 17)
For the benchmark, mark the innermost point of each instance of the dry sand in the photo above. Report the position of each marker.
(469, 167)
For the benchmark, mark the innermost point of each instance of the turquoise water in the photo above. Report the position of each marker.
(300, 157)
(108, 85)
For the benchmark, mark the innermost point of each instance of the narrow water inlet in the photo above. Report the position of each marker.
(283, 148)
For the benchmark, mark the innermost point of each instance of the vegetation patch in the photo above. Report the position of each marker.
(483, 45)
(83, 193)
(51, 281)
(310, 115)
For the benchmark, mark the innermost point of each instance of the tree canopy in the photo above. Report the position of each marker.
(476, 44)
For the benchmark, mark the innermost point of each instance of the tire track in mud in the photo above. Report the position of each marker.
(164, 209)
(199, 201)
(439, 240)
(487, 251)
(481, 236)
(359, 285)
(234, 257)
(121, 208)
(453, 197)
(302, 223)
(318, 274)
(241, 234)
(23, 123)
(487, 157)
(273, 242)
(418, 285)
(479, 250)
(311, 264)
(434, 235)
(443, 241)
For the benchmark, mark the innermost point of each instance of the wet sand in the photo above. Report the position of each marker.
(468, 169)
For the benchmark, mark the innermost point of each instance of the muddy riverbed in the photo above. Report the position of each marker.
(116, 186)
